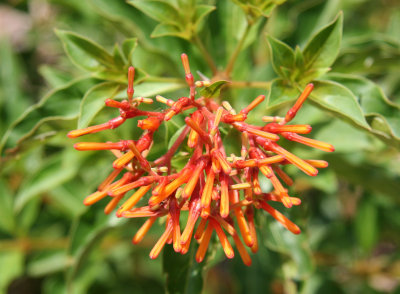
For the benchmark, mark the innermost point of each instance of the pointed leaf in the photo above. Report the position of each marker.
(183, 274)
(7, 220)
(118, 57)
(281, 240)
(201, 12)
(161, 11)
(282, 56)
(383, 114)
(323, 48)
(58, 105)
(340, 101)
(213, 90)
(165, 29)
(13, 261)
(281, 92)
(128, 46)
(85, 53)
(54, 172)
(366, 224)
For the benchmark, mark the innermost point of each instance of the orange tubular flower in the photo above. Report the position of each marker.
(217, 191)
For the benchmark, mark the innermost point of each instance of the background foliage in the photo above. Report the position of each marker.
(52, 81)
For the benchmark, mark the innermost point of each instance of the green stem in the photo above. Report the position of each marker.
(237, 50)
(165, 80)
(205, 53)
(250, 84)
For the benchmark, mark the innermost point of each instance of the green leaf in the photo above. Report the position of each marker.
(183, 274)
(48, 264)
(175, 136)
(13, 261)
(340, 101)
(281, 92)
(93, 102)
(161, 11)
(282, 56)
(7, 220)
(201, 12)
(119, 58)
(52, 173)
(58, 105)
(369, 175)
(366, 224)
(85, 53)
(128, 47)
(165, 29)
(86, 233)
(12, 84)
(213, 90)
(376, 106)
(149, 89)
(323, 48)
(279, 239)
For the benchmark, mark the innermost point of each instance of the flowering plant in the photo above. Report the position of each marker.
(175, 153)
(208, 185)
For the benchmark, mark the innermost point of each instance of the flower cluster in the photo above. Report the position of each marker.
(219, 192)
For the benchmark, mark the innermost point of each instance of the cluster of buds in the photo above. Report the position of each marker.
(217, 192)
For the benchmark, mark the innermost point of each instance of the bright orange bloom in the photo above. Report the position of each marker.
(217, 192)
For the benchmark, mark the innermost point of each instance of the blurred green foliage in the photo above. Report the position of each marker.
(66, 56)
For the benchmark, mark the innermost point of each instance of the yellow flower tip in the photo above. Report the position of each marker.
(295, 201)
(205, 240)
(200, 84)
(94, 197)
(253, 104)
(303, 96)
(112, 204)
(280, 218)
(263, 134)
(277, 128)
(193, 139)
(152, 123)
(155, 252)
(78, 133)
(123, 160)
(226, 167)
(169, 114)
(133, 200)
(318, 163)
(287, 202)
(242, 251)
(143, 230)
(226, 246)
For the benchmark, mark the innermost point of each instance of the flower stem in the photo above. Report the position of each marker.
(250, 84)
(165, 80)
(197, 41)
(237, 50)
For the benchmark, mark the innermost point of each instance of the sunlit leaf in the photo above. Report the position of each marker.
(213, 90)
(85, 53)
(282, 56)
(13, 261)
(159, 10)
(54, 172)
(128, 47)
(281, 240)
(58, 105)
(376, 106)
(338, 100)
(366, 224)
(323, 48)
